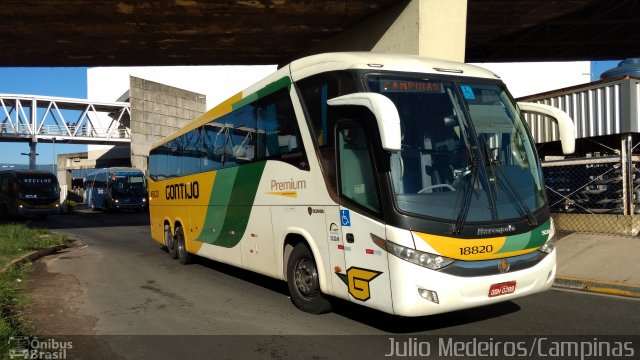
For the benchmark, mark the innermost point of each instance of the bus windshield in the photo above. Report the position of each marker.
(465, 149)
(38, 187)
(128, 185)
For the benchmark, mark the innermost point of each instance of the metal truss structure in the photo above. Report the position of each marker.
(36, 119)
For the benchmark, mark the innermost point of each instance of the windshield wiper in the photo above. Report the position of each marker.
(466, 196)
(507, 184)
(504, 182)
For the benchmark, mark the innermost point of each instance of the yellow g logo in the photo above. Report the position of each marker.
(358, 280)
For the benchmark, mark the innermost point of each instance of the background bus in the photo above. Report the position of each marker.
(116, 189)
(28, 192)
(401, 183)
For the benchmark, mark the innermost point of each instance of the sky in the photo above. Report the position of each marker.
(72, 82)
(61, 82)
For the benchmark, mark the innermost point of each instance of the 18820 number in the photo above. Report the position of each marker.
(473, 250)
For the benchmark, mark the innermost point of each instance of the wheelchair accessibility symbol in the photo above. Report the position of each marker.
(345, 218)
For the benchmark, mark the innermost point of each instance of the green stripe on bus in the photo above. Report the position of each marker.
(540, 235)
(232, 197)
(267, 90)
(219, 200)
(515, 243)
(528, 240)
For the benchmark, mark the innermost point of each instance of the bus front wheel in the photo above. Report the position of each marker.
(183, 256)
(303, 282)
(170, 242)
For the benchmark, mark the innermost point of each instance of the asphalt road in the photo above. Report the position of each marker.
(118, 284)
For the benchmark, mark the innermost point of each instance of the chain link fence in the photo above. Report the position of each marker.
(594, 194)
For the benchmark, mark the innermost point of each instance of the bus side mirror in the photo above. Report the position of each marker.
(565, 123)
(384, 111)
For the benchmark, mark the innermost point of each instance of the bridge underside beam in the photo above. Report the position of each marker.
(431, 28)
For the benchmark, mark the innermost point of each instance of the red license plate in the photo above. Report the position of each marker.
(502, 289)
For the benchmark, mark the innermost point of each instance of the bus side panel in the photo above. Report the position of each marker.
(157, 222)
(225, 225)
(258, 253)
(336, 248)
(367, 275)
(201, 237)
(157, 213)
(297, 201)
(98, 194)
(183, 200)
(310, 223)
(218, 252)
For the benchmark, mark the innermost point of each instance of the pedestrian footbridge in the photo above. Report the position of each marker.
(32, 118)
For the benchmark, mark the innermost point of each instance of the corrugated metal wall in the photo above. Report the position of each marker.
(594, 193)
(600, 108)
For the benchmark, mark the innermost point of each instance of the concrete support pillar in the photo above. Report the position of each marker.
(431, 28)
(63, 173)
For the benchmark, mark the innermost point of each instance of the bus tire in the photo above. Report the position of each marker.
(303, 282)
(183, 256)
(170, 242)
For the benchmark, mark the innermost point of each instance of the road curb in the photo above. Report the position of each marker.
(37, 254)
(595, 286)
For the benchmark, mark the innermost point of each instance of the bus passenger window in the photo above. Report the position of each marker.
(277, 121)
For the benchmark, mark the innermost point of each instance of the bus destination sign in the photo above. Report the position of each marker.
(411, 86)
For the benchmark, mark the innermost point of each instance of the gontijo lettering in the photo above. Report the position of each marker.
(182, 191)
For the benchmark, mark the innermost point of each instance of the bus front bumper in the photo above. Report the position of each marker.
(23, 210)
(410, 292)
(129, 204)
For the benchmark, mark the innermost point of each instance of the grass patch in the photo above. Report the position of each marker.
(17, 240)
(12, 303)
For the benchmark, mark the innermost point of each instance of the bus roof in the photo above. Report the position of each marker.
(117, 170)
(316, 64)
(28, 172)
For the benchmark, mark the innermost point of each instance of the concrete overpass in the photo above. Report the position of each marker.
(195, 32)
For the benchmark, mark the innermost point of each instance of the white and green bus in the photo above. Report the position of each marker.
(405, 184)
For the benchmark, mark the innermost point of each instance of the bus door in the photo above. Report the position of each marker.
(366, 270)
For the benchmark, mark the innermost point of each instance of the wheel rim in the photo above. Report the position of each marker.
(306, 277)
(181, 250)
(168, 240)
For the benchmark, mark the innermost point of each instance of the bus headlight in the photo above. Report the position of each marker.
(550, 244)
(430, 261)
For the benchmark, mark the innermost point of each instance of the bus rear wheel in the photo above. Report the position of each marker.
(170, 242)
(303, 282)
(183, 256)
